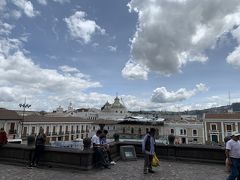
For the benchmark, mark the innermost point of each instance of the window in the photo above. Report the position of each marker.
(132, 130)
(229, 127)
(194, 132)
(183, 132)
(54, 129)
(172, 131)
(124, 130)
(146, 130)
(213, 127)
(139, 131)
(33, 130)
(94, 128)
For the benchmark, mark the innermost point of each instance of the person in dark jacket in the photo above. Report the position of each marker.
(3, 137)
(148, 148)
(39, 147)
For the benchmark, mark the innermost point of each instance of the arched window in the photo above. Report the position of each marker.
(132, 130)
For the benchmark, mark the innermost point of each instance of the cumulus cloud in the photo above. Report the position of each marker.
(20, 77)
(112, 48)
(171, 33)
(162, 95)
(62, 1)
(2, 4)
(5, 28)
(234, 57)
(81, 28)
(42, 2)
(133, 71)
(26, 6)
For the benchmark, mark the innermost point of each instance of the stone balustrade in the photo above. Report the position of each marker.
(83, 159)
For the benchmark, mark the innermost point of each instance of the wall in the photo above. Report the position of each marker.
(83, 160)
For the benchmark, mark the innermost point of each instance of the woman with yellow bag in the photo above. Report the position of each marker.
(148, 148)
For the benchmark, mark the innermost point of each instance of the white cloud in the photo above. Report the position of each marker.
(16, 14)
(133, 71)
(20, 77)
(62, 1)
(68, 69)
(42, 2)
(171, 33)
(234, 58)
(81, 28)
(162, 95)
(2, 4)
(112, 48)
(5, 28)
(26, 6)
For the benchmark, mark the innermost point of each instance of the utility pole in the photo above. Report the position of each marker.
(24, 106)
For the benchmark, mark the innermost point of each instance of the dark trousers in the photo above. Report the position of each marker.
(38, 154)
(235, 167)
(100, 156)
(147, 162)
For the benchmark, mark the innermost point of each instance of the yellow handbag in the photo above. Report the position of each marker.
(155, 161)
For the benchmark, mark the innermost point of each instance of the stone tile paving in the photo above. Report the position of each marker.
(123, 170)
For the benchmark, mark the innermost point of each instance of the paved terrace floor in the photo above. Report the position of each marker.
(123, 170)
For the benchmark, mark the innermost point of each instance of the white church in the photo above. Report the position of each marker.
(108, 111)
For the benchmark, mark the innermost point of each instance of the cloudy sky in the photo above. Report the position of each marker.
(155, 55)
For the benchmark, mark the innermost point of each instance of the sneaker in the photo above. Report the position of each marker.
(151, 171)
(113, 163)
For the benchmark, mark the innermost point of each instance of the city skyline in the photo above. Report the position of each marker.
(155, 55)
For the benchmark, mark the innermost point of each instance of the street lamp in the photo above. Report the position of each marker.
(24, 106)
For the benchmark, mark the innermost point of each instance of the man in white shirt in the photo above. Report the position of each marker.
(99, 149)
(233, 155)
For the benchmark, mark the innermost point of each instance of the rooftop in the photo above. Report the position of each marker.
(131, 170)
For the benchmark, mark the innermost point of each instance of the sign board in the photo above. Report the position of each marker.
(128, 152)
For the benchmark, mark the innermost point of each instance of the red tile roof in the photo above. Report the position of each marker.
(223, 116)
(6, 114)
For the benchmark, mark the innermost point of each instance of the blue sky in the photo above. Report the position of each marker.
(156, 55)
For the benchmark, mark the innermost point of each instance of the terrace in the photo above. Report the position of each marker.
(177, 162)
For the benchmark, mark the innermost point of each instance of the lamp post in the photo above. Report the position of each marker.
(24, 106)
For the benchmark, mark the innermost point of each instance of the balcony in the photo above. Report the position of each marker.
(78, 131)
(72, 132)
(61, 133)
(48, 133)
(54, 133)
(66, 132)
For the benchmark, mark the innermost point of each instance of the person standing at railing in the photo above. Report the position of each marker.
(148, 148)
(39, 147)
(3, 137)
(233, 156)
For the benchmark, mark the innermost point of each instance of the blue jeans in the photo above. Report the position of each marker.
(235, 167)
